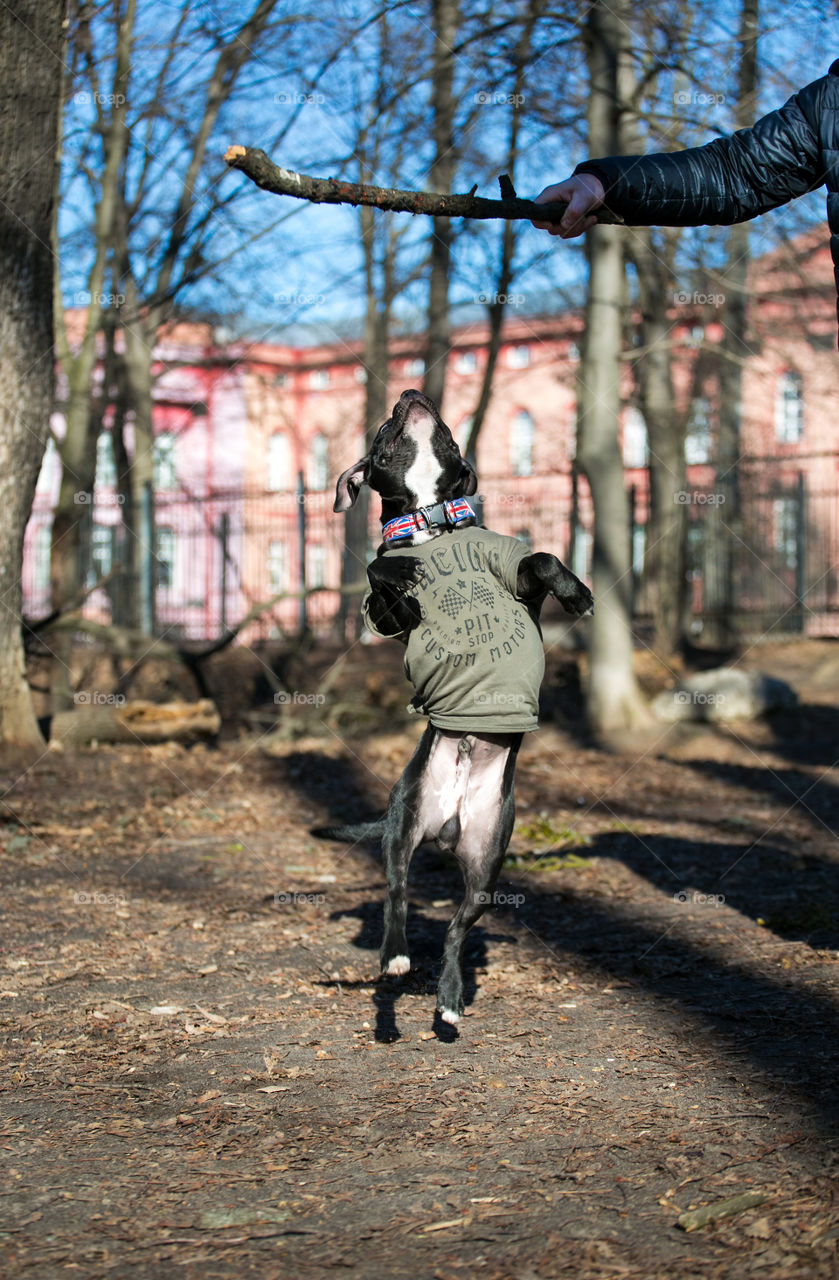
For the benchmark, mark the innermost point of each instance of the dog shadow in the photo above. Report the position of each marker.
(427, 935)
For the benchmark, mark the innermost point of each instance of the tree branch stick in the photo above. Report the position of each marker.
(285, 182)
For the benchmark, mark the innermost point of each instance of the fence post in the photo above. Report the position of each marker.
(633, 576)
(224, 540)
(574, 519)
(301, 529)
(801, 546)
(148, 560)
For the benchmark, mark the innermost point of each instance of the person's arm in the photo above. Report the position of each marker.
(728, 180)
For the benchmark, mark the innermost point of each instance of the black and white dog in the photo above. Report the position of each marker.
(465, 602)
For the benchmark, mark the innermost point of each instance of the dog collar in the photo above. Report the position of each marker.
(443, 515)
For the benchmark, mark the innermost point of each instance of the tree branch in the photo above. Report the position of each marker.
(285, 182)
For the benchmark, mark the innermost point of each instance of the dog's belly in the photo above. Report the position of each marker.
(462, 791)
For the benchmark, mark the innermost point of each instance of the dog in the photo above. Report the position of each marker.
(465, 602)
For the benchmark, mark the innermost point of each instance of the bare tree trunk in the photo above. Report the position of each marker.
(445, 22)
(719, 630)
(78, 448)
(614, 701)
(665, 551)
(30, 51)
(497, 305)
(376, 364)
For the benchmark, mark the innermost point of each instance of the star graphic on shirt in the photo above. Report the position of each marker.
(461, 584)
(458, 631)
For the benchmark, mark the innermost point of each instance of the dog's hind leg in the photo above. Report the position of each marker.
(486, 820)
(404, 829)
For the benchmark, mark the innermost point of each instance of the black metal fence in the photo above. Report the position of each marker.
(211, 562)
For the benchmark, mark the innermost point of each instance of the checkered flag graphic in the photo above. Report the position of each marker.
(453, 603)
(482, 595)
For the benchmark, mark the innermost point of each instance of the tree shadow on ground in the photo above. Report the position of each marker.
(795, 894)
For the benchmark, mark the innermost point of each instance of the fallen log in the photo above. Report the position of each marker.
(112, 719)
(257, 166)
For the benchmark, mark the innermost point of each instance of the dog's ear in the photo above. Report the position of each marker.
(467, 482)
(349, 484)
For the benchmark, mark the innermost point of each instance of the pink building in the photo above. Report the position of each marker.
(238, 424)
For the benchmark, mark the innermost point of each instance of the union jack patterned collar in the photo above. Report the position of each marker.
(443, 515)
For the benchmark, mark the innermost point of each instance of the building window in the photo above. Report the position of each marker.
(521, 444)
(634, 438)
(279, 462)
(164, 462)
(639, 542)
(785, 530)
(319, 378)
(360, 373)
(277, 566)
(106, 470)
(789, 409)
(582, 554)
(414, 368)
(465, 362)
(43, 546)
(318, 463)
(165, 557)
(699, 440)
(316, 565)
(518, 357)
(280, 380)
(101, 550)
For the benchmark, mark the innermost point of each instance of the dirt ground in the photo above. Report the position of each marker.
(204, 1076)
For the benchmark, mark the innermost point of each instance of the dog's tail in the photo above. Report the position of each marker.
(352, 832)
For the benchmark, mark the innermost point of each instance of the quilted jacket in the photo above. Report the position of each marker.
(788, 152)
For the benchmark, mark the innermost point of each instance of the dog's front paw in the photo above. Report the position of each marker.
(398, 572)
(412, 571)
(578, 601)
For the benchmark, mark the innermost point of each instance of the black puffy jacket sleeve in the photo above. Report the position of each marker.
(732, 178)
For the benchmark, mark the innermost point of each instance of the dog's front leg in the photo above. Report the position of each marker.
(392, 611)
(542, 573)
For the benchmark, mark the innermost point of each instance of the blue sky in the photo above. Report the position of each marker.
(301, 280)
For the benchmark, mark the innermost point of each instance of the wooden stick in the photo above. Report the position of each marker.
(722, 1209)
(260, 169)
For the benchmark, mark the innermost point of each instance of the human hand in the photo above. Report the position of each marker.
(583, 193)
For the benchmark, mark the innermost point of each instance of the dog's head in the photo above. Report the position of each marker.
(413, 461)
